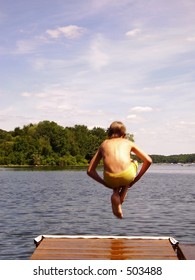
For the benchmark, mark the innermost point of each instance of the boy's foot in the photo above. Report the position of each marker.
(116, 205)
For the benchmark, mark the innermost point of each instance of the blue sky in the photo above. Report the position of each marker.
(95, 61)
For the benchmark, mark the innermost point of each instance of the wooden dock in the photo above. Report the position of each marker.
(106, 248)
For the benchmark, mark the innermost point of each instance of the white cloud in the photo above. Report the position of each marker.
(26, 94)
(53, 33)
(187, 123)
(141, 109)
(98, 56)
(52, 65)
(30, 45)
(27, 46)
(53, 100)
(134, 120)
(34, 94)
(69, 32)
(191, 39)
(132, 116)
(133, 32)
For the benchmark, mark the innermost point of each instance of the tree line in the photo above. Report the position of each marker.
(48, 143)
(182, 158)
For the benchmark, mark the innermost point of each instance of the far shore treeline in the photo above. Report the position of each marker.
(49, 144)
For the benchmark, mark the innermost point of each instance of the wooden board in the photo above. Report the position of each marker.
(109, 249)
(188, 251)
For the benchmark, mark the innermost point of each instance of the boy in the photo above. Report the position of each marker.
(120, 171)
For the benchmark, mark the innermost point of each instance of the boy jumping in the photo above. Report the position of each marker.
(120, 171)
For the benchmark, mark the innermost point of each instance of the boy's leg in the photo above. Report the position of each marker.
(123, 193)
(116, 204)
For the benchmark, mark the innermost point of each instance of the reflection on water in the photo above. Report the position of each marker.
(69, 202)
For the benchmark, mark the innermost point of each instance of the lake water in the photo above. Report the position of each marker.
(68, 202)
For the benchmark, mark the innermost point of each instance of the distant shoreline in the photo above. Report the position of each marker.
(57, 167)
(78, 167)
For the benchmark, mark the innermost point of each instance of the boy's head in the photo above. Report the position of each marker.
(116, 129)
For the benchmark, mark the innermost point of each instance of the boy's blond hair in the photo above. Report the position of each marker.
(116, 129)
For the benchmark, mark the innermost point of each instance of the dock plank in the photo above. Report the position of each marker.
(97, 248)
(188, 251)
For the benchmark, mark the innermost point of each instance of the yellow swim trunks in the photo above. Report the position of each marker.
(122, 178)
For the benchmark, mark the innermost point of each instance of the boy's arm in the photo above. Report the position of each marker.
(91, 171)
(147, 161)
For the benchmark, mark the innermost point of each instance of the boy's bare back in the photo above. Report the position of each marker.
(116, 154)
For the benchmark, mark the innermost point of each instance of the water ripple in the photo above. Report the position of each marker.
(69, 202)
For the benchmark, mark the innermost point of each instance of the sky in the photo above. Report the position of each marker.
(91, 62)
